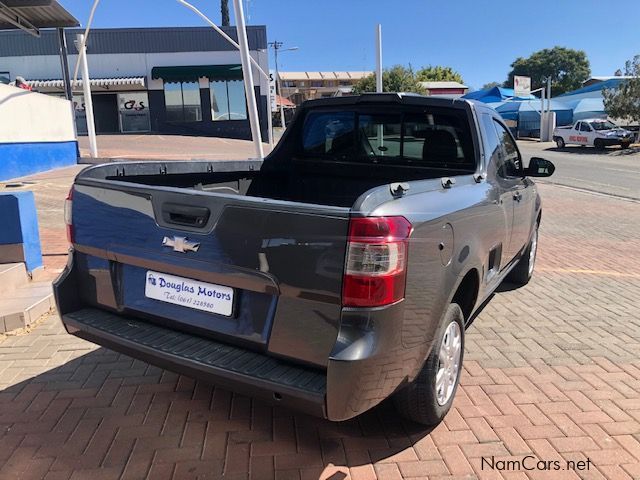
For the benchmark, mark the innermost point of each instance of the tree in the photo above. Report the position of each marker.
(224, 10)
(623, 102)
(489, 85)
(567, 68)
(395, 79)
(438, 74)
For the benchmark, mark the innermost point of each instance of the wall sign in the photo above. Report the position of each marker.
(133, 109)
(272, 90)
(521, 86)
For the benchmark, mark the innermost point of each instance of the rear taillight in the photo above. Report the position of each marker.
(376, 264)
(68, 218)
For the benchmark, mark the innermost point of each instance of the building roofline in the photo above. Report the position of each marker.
(131, 40)
(144, 29)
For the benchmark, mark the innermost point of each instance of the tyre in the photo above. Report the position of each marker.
(624, 146)
(598, 144)
(523, 271)
(429, 397)
(560, 142)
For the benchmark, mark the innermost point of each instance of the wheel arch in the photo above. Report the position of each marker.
(466, 294)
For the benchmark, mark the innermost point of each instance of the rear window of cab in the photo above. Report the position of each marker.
(428, 138)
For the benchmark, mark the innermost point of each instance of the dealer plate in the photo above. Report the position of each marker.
(189, 293)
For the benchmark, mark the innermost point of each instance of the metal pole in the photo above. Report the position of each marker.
(222, 34)
(542, 107)
(247, 74)
(84, 38)
(269, 117)
(379, 58)
(88, 102)
(276, 47)
(549, 132)
(379, 88)
(64, 63)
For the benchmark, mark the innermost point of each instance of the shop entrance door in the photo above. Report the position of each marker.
(105, 110)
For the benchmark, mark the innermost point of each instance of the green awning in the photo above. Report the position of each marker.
(213, 72)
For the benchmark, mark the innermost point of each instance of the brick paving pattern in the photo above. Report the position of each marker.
(170, 147)
(551, 371)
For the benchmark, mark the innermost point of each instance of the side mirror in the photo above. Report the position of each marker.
(539, 167)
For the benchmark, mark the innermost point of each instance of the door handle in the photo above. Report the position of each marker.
(185, 215)
(517, 196)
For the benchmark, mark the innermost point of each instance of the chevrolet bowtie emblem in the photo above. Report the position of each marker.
(180, 244)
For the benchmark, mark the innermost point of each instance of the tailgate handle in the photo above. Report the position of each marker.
(186, 215)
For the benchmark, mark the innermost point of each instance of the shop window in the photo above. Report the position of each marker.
(80, 114)
(182, 102)
(228, 100)
(134, 112)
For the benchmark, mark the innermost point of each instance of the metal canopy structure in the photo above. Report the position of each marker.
(32, 15)
(102, 84)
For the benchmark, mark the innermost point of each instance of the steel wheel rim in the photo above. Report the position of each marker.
(532, 252)
(448, 363)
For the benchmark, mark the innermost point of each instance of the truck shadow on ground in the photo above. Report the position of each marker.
(608, 151)
(107, 413)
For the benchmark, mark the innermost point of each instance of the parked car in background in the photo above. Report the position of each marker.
(341, 270)
(594, 132)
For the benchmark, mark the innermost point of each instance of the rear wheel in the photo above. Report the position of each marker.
(599, 144)
(523, 271)
(429, 397)
(624, 145)
(560, 142)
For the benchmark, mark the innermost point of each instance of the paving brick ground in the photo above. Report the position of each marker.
(170, 147)
(551, 373)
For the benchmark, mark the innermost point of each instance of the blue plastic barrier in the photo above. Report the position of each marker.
(19, 236)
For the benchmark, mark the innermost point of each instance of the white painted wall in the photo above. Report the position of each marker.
(27, 117)
(45, 67)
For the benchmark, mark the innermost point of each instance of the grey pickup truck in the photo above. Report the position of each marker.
(338, 272)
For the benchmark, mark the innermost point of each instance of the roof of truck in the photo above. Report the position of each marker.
(392, 98)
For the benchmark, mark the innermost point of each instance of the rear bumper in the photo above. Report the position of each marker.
(368, 362)
(237, 369)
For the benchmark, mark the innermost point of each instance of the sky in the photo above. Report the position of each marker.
(478, 38)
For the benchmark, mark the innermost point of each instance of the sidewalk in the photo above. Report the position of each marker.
(169, 147)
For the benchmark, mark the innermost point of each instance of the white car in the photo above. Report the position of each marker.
(598, 133)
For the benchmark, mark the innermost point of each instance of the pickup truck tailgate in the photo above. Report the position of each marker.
(227, 267)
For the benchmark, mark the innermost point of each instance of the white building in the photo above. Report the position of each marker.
(163, 80)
